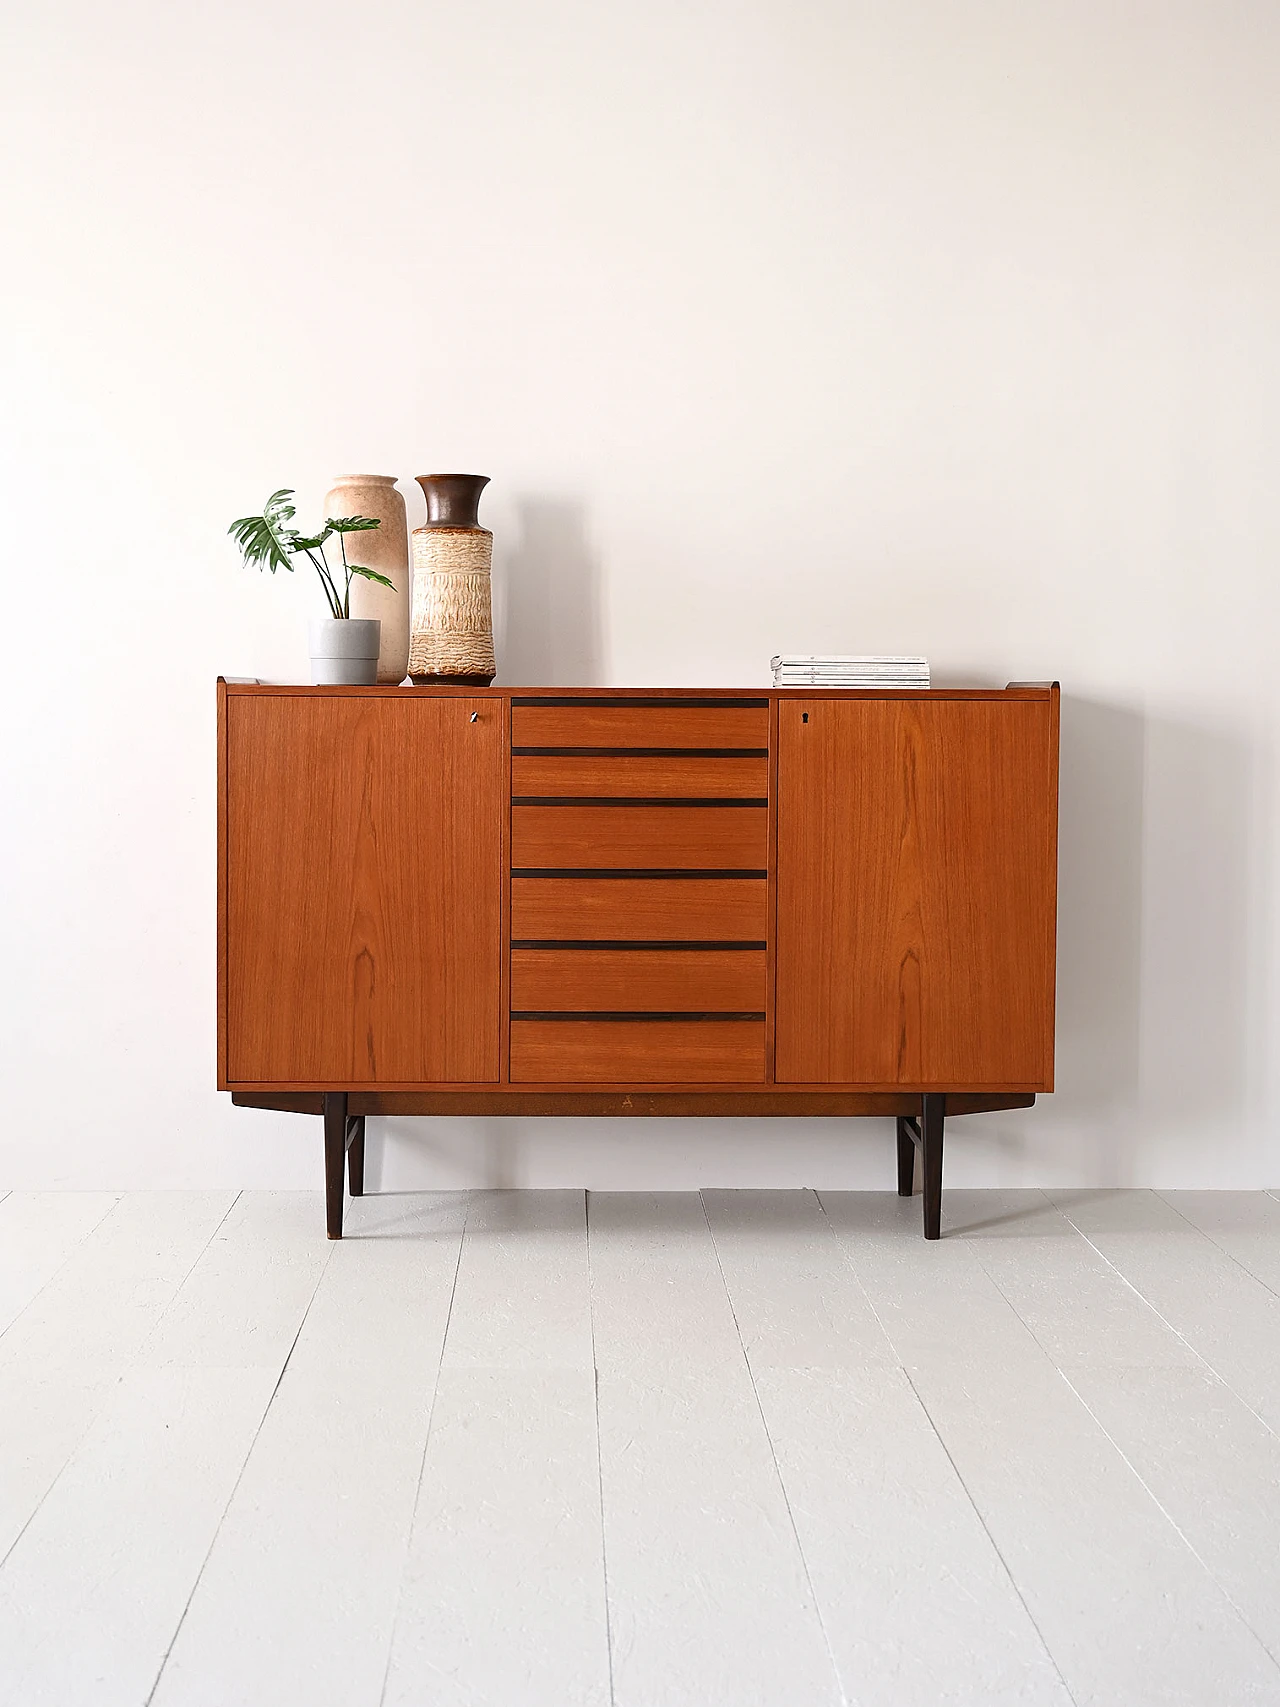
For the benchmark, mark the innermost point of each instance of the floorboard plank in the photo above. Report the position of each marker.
(38, 1232)
(503, 1597)
(62, 1357)
(708, 1595)
(1245, 1224)
(817, 1452)
(796, 1301)
(93, 1591)
(883, 1519)
(296, 1601)
(1225, 1315)
(1208, 1460)
(1127, 1611)
(523, 1299)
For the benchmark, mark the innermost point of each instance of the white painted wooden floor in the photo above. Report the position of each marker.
(745, 1448)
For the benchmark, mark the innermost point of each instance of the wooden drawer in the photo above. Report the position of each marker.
(619, 980)
(639, 909)
(661, 776)
(676, 838)
(657, 723)
(637, 1052)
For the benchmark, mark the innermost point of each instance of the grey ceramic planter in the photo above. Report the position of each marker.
(344, 653)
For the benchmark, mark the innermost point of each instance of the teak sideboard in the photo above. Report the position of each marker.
(620, 902)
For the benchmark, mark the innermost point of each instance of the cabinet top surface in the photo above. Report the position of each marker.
(754, 695)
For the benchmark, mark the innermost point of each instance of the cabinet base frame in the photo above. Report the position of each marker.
(920, 1116)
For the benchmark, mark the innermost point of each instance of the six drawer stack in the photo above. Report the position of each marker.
(639, 917)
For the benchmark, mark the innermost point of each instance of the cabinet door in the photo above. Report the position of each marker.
(363, 889)
(917, 857)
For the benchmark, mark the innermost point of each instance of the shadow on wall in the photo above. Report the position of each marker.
(1205, 948)
(456, 1152)
(1099, 928)
(548, 624)
(1161, 957)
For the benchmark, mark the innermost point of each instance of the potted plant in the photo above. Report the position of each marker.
(343, 649)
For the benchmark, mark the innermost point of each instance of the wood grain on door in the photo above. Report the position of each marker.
(916, 892)
(364, 889)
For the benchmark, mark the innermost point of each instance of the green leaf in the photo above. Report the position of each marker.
(313, 544)
(370, 575)
(352, 524)
(267, 540)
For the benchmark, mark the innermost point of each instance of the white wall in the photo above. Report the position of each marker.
(927, 324)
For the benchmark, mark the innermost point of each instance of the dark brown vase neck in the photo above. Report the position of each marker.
(453, 500)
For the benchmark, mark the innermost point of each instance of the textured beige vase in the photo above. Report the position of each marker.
(385, 549)
(452, 634)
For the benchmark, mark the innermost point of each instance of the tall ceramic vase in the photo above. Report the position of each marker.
(385, 549)
(452, 631)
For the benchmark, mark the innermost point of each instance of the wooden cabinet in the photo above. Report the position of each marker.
(363, 889)
(917, 851)
(438, 901)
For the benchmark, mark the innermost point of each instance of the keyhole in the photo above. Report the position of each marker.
(804, 717)
(475, 717)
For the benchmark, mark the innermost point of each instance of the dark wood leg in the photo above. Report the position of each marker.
(335, 1150)
(355, 1154)
(932, 1116)
(906, 1159)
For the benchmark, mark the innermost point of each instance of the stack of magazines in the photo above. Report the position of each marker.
(836, 670)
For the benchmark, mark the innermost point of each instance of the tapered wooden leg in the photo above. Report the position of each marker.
(906, 1159)
(335, 1150)
(932, 1116)
(355, 1154)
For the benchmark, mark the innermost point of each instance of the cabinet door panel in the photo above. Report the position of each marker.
(916, 892)
(364, 889)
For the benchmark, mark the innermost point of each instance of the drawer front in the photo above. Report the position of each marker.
(656, 724)
(637, 1052)
(662, 776)
(679, 838)
(619, 980)
(639, 909)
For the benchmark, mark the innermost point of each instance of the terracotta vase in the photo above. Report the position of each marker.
(451, 637)
(385, 549)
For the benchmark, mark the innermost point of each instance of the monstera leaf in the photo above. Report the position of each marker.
(267, 540)
(351, 524)
(270, 542)
(357, 524)
(370, 575)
